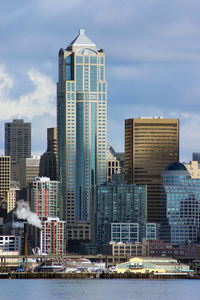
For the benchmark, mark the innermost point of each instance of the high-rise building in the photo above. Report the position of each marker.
(4, 176)
(48, 161)
(81, 124)
(151, 144)
(117, 203)
(17, 144)
(53, 240)
(112, 164)
(193, 168)
(29, 169)
(44, 197)
(180, 203)
(196, 156)
(11, 199)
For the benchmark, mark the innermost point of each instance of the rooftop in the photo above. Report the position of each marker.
(82, 40)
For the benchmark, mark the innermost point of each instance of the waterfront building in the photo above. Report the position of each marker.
(53, 240)
(45, 197)
(150, 145)
(117, 203)
(29, 169)
(180, 203)
(151, 248)
(5, 169)
(49, 160)
(10, 243)
(156, 265)
(126, 249)
(81, 125)
(17, 144)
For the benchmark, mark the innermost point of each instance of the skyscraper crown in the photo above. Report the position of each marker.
(81, 40)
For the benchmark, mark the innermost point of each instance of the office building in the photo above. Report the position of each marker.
(10, 243)
(193, 168)
(81, 124)
(180, 203)
(196, 156)
(112, 164)
(5, 169)
(117, 203)
(53, 241)
(124, 232)
(11, 199)
(29, 169)
(44, 197)
(17, 144)
(151, 144)
(152, 231)
(49, 160)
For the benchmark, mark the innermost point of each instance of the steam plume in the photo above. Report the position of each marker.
(23, 212)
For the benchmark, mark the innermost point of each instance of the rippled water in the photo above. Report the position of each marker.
(96, 289)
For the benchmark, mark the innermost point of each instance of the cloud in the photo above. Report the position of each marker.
(6, 82)
(37, 102)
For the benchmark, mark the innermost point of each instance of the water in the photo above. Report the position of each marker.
(94, 289)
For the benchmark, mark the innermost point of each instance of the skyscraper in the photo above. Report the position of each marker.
(81, 124)
(180, 195)
(4, 176)
(151, 144)
(49, 159)
(17, 144)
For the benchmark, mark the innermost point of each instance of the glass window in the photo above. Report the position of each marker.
(93, 59)
(79, 59)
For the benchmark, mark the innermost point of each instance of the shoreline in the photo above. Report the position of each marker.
(57, 275)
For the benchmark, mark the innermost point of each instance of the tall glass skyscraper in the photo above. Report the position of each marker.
(81, 124)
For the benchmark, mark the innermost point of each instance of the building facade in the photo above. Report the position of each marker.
(81, 124)
(29, 169)
(112, 164)
(44, 197)
(117, 203)
(180, 203)
(49, 160)
(193, 168)
(53, 240)
(17, 144)
(11, 199)
(196, 156)
(125, 232)
(5, 176)
(10, 243)
(151, 144)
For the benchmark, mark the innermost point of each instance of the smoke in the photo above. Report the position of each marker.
(23, 212)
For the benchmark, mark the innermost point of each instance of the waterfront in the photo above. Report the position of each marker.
(100, 289)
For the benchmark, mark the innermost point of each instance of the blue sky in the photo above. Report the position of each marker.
(152, 62)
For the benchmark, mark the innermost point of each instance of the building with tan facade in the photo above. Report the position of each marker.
(5, 175)
(151, 144)
(193, 168)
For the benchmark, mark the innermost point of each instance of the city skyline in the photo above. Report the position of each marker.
(151, 56)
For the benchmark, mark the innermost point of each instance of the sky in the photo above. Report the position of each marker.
(152, 62)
